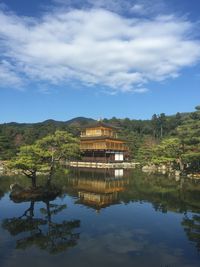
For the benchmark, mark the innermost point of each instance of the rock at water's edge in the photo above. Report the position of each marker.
(20, 194)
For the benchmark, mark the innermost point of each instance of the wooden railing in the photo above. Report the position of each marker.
(103, 146)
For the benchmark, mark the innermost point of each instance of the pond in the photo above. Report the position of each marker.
(103, 218)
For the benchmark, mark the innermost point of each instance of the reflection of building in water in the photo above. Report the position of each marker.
(99, 188)
(98, 200)
(119, 173)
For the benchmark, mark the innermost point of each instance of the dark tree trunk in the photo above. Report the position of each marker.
(30, 210)
(33, 178)
(50, 175)
(161, 131)
(48, 211)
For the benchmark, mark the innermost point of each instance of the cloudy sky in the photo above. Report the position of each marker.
(98, 58)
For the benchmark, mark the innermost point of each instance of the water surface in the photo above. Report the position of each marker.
(103, 218)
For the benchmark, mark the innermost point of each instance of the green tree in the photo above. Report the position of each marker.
(155, 125)
(146, 150)
(189, 135)
(45, 154)
(184, 147)
(61, 146)
(29, 161)
(162, 124)
(6, 150)
(170, 150)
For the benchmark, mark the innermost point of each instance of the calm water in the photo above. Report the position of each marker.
(103, 219)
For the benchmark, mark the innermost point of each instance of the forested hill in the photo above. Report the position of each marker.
(13, 135)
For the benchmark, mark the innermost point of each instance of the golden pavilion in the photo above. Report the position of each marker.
(99, 143)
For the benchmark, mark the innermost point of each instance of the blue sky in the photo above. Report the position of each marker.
(132, 58)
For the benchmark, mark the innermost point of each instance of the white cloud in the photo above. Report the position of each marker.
(137, 8)
(96, 47)
(8, 77)
(141, 90)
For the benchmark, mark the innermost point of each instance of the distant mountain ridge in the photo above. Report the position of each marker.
(78, 121)
(75, 121)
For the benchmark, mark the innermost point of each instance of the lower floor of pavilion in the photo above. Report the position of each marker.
(104, 156)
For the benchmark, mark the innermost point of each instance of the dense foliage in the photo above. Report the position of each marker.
(162, 139)
(14, 135)
(180, 148)
(45, 154)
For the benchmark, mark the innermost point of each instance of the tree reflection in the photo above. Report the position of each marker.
(98, 188)
(44, 233)
(192, 229)
(1, 194)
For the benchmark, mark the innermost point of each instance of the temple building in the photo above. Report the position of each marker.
(99, 143)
